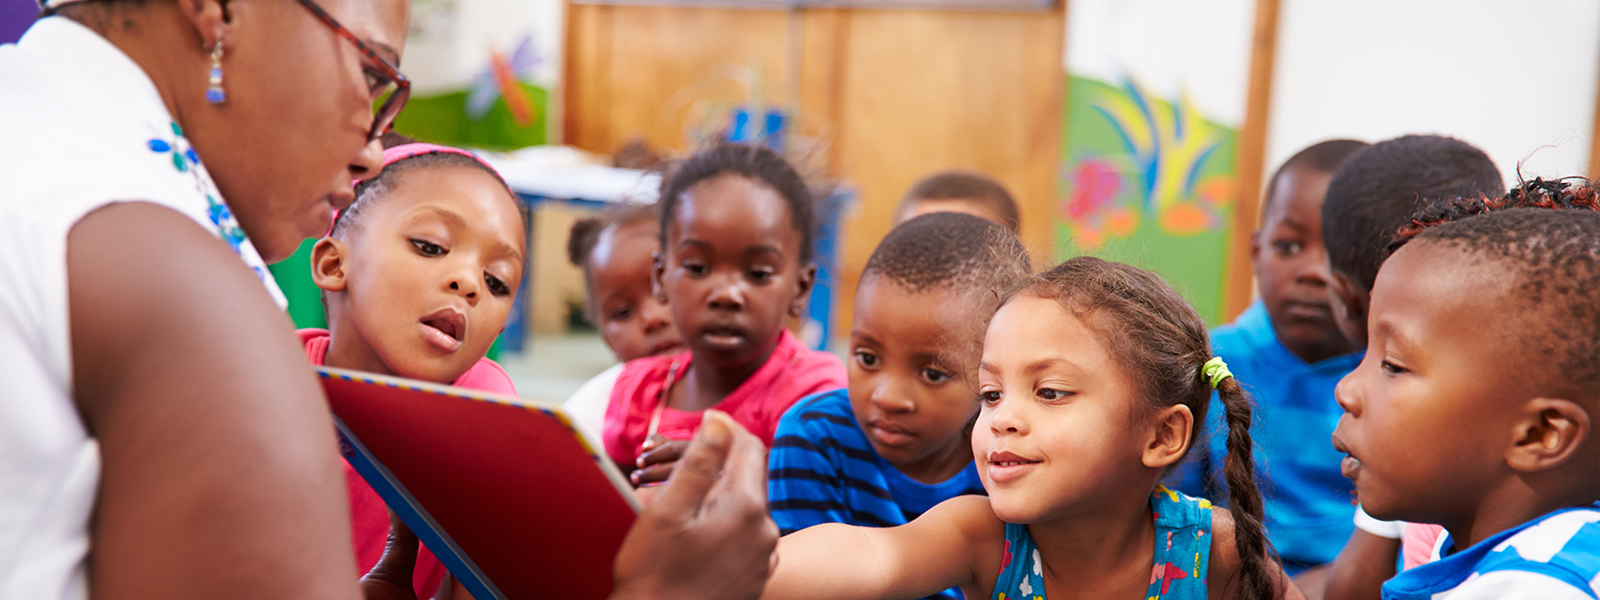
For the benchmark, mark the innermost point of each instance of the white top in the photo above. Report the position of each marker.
(80, 124)
(1393, 530)
(587, 406)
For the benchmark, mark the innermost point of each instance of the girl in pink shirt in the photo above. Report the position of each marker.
(735, 268)
(417, 277)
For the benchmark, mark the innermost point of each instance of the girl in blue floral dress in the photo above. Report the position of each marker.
(1092, 383)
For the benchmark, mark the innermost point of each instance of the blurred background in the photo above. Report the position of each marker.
(1139, 130)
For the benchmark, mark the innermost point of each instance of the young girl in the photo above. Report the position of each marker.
(1091, 385)
(616, 251)
(734, 268)
(417, 276)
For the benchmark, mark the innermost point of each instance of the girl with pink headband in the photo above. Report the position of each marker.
(417, 276)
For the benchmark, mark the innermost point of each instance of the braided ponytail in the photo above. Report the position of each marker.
(1244, 498)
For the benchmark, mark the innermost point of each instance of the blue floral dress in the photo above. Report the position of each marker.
(1183, 549)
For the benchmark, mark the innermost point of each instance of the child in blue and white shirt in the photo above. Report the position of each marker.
(1476, 403)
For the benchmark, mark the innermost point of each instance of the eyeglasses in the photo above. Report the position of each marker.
(389, 88)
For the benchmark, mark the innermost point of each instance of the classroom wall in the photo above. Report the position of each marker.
(1509, 77)
(887, 96)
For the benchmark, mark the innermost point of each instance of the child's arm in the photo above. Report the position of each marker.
(1222, 575)
(1361, 568)
(957, 543)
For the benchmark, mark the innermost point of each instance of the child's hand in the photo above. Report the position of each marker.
(656, 463)
(707, 535)
(390, 579)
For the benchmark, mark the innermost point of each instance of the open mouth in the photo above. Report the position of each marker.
(445, 329)
(1350, 467)
(1005, 466)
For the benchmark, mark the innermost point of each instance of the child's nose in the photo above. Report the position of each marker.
(656, 316)
(888, 397)
(1314, 268)
(727, 295)
(1003, 418)
(465, 286)
(1345, 393)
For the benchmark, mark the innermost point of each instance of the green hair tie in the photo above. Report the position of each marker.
(1216, 370)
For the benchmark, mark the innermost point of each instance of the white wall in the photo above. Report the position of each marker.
(449, 41)
(1506, 76)
(1193, 48)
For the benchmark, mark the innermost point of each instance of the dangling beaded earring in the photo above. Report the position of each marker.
(214, 93)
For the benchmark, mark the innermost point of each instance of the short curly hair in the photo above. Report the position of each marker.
(1548, 237)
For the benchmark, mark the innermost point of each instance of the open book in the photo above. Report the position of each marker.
(506, 492)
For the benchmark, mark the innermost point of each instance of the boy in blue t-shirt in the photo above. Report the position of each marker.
(897, 441)
(1475, 406)
(1289, 353)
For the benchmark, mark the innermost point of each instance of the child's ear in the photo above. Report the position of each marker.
(1169, 438)
(1350, 300)
(1255, 251)
(1550, 432)
(658, 276)
(327, 265)
(807, 279)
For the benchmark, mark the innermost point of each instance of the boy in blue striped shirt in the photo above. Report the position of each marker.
(897, 441)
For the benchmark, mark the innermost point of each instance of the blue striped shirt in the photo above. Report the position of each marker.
(1553, 557)
(822, 469)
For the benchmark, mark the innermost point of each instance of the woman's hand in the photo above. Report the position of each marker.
(707, 535)
(660, 456)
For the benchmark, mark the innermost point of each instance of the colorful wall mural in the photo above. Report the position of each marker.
(1149, 181)
(1154, 100)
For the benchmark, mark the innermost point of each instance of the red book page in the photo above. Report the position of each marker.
(508, 481)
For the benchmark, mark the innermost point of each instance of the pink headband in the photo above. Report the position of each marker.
(405, 151)
(399, 153)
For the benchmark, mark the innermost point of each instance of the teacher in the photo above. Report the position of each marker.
(160, 432)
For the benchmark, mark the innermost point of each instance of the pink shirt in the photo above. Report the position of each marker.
(791, 373)
(369, 516)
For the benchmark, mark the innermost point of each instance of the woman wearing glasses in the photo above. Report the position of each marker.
(160, 434)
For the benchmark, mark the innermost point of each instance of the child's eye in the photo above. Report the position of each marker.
(1052, 394)
(1288, 248)
(695, 269)
(496, 286)
(989, 398)
(427, 248)
(760, 276)
(1393, 369)
(620, 314)
(867, 359)
(934, 376)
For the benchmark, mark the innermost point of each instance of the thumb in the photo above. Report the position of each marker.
(700, 468)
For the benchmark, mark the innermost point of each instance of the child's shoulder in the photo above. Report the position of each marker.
(487, 376)
(823, 415)
(1564, 545)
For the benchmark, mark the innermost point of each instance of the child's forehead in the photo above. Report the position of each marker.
(456, 195)
(1297, 196)
(733, 211)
